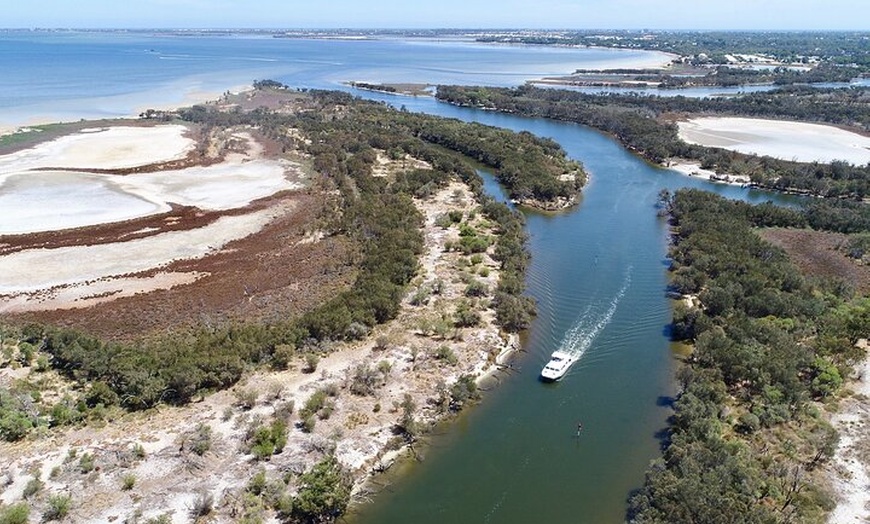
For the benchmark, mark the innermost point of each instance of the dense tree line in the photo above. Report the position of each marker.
(719, 76)
(746, 435)
(848, 48)
(636, 122)
(375, 213)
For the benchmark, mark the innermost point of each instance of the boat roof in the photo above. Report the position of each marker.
(561, 354)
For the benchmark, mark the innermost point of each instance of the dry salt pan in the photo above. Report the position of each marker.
(798, 141)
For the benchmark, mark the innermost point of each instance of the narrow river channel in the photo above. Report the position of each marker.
(598, 275)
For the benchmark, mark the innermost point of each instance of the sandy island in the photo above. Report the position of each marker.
(785, 140)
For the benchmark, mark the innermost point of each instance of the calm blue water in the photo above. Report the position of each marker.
(72, 75)
(597, 274)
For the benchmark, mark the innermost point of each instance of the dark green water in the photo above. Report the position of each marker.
(598, 276)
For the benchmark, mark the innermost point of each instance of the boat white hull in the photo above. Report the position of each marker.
(558, 366)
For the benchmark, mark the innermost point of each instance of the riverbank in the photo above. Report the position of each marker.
(694, 169)
(850, 465)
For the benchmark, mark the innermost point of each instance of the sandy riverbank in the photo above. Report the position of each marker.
(851, 462)
(693, 169)
(798, 141)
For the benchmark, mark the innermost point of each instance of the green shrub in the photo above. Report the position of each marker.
(42, 364)
(314, 404)
(100, 393)
(246, 398)
(324, 493)
(257, 484)
(14, 425)
(198, 441)
(445, 353)
(58, 507)
(128, 481)
(25, 353)
(164, 518)
(465, 315)
(62, 414)
(443, 221)
(476, 288)
(138, 451)
(311, 361)
(33, 487)
(463, 391)
(15, 514)
(87, 463)
(269, 440)
(282, 356)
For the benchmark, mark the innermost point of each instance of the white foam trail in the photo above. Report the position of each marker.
(588, 325)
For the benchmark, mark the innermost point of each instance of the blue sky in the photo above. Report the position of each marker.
(569, 14)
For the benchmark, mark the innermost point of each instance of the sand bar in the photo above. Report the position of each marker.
(798, 141)
(38, 201)
(116, 147)
(38, 269)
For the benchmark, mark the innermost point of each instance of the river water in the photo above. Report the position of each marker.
(598, 271)
(598, 274)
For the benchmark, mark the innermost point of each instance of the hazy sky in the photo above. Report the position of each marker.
(569, 14)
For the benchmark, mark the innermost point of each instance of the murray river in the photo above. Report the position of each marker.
(598, 271)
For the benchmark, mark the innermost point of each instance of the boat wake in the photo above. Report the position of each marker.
(590, 322)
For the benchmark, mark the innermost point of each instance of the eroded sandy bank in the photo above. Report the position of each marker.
(851, 462)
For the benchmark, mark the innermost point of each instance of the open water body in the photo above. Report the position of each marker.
(72, 75)
(598, 272)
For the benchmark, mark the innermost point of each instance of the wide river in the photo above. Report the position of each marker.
(598, 272)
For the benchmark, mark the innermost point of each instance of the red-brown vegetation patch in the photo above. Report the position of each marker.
(820, 254)
(269, 276)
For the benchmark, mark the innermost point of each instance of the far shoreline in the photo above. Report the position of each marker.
(202, 88)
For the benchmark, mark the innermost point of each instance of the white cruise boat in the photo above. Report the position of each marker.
(558, 365)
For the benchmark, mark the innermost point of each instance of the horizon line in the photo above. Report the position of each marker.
(456, 29)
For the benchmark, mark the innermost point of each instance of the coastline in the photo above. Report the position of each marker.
(126, 107)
